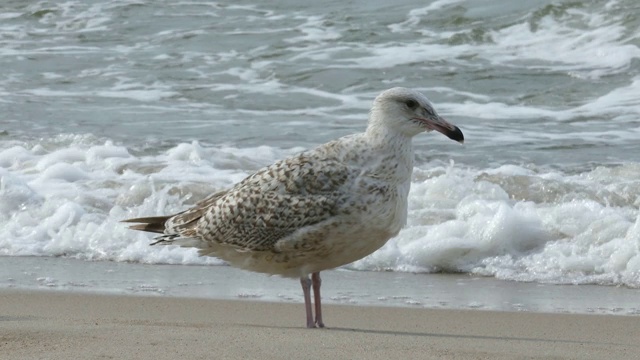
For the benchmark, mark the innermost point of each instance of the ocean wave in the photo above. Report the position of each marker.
(511, 222)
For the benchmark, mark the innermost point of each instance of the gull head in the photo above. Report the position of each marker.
(408, 112)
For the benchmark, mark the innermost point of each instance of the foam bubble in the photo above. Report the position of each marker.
(13, 156)
(65, 172)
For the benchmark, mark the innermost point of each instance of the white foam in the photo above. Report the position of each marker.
(314, 30)
(67, 198)
(620, 102)
(10, 15)
(463, 222)
(586, 42)
(13, 156)
(143, 95)
(64, 172)
(598, 50)
(415, 15)
(620, 105)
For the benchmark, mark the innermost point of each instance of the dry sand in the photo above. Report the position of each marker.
(53, 325)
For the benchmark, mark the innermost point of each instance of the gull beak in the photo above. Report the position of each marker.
(441, 125)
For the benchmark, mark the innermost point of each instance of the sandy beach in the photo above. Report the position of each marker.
(63, 325)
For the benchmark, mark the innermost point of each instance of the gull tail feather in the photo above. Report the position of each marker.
(177, 235)
(155, 224)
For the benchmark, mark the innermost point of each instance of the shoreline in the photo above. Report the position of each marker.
(58, 325)
(362, 288)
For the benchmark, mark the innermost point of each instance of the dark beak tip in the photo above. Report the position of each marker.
(456, 135)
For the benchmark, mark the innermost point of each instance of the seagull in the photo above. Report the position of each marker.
(317, 210)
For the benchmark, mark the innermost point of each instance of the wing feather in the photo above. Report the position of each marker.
(267, 206)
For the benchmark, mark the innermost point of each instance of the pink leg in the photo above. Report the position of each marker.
(306, 290)
(316, 281)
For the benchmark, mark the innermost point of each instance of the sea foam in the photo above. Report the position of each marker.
(512, 222)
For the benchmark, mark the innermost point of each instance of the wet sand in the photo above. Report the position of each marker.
(63, 325)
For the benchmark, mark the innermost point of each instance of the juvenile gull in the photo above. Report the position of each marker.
(316, 210)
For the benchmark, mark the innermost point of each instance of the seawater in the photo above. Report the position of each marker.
(116, 109)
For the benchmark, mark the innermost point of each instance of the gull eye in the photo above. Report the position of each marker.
(411, 104)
